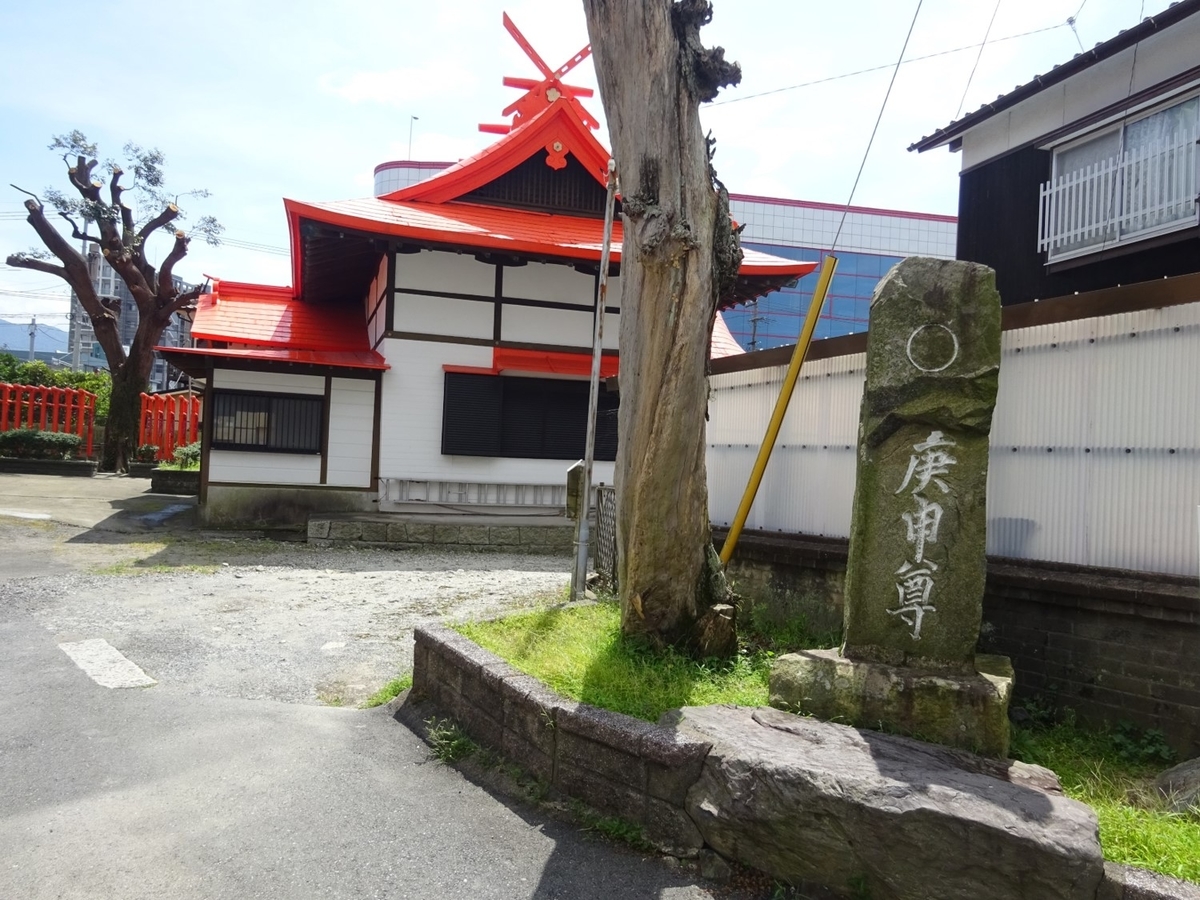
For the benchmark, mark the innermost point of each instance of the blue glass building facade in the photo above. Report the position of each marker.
(869, 241)
(776, 319)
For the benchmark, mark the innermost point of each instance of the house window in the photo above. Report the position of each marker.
(528, 418)
(1132, 181)
(274, 423)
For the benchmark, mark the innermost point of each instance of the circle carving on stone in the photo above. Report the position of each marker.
(932, 348)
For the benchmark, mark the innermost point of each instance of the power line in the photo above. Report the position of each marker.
(878, 119)
(804, 84)
(978, 57)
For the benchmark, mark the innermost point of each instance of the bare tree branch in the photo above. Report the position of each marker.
(81, 178)
(167, 215)
(23, 191)
(75, 273)
(17, 261)
(185, 300)
(115, 189)
(76, 233)
(178, 252)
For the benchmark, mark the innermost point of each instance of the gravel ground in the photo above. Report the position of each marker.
(262, 619)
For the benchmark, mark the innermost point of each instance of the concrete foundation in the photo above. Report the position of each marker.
(965, 711)
(243, 506)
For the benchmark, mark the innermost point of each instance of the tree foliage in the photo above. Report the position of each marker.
(38, 374)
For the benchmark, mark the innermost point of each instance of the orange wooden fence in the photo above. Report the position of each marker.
(169, 421)
(70, 410)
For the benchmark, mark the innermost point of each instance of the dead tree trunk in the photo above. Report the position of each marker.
(679, 251)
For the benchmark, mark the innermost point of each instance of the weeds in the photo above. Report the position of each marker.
(449, 742)
(1113, 771)
(388, 692)
(611, 827)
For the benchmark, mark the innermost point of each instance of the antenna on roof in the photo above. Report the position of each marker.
(540, 94)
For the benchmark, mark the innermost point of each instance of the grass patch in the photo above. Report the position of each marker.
(388, 692)
(448, 741)
(611, 827)
(1113, 772)
(581, 654)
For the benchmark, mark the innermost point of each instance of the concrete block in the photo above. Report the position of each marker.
(445, 534)
(376, 532)
(472, 534)
(397, 533)
(345, 531)
(505, 535)
(318, 528)
(419, 534)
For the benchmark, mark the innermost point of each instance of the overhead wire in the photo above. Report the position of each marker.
(978, 57)
(878, 119)
(880, 68)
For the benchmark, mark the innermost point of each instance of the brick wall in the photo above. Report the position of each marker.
(1111, 645)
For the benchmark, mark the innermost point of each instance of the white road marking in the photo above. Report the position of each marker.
(22, 514)
(105, 664)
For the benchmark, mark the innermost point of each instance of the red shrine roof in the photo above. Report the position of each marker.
(269, 323)
(434, 211)
(265, 315)
(500, 228)
(557, 129)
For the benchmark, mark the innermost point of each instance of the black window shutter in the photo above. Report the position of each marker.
(524, 418)
(472, 407)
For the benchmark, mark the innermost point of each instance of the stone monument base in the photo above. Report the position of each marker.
(965, 711)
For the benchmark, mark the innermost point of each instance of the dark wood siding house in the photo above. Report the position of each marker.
(1085, 178)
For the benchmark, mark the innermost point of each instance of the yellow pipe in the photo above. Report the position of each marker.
(781, 405)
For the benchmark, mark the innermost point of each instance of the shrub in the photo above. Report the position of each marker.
(146, 453)
(30, 443)
(188, 457)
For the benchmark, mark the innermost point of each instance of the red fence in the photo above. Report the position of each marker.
(69, 410)
(169, 421)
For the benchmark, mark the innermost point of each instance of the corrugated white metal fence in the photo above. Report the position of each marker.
(1095, 444)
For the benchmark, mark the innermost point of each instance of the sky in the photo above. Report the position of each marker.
(257, 101)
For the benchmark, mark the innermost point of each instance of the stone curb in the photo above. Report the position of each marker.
(620, 765)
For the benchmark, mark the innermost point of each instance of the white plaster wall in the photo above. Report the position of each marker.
(536, 325)
(444, 316)
(410, 443)
(454, 273)
(235, 380)
(351, 430)
(546, 281)
(250, 467)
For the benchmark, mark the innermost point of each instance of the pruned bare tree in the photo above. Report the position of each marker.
(122, 231)
(680, 253)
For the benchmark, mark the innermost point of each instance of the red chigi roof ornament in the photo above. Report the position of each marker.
(540, 94)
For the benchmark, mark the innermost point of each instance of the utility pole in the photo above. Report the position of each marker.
(411, 119)
(32, 337)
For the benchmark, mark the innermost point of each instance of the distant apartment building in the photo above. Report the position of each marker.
(870, 242)
(109, 284)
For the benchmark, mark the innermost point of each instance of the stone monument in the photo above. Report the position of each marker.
(915, 577)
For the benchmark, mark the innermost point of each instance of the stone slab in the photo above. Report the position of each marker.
(965, 711)
(880, 815)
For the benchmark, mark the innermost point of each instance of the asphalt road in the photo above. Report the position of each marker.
(167, 791)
